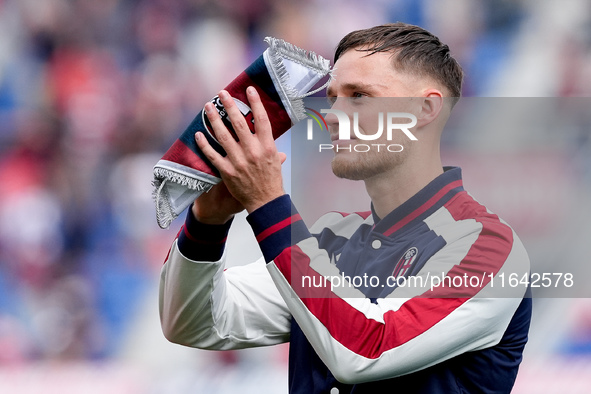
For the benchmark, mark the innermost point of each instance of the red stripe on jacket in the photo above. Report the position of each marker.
(369, 338)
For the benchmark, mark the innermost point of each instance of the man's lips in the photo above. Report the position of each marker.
(335, 137)
(337, 141)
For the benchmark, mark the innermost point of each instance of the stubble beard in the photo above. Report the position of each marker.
(357, 166)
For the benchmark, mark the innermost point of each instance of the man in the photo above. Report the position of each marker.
(447, 338)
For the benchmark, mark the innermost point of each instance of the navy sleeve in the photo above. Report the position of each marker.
(277, 225)
(202, 242)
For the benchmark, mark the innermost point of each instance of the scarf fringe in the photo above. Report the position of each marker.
(279, 50)
(191, 183)
(306, 58)
(165, 212)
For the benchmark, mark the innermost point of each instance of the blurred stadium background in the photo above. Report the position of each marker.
(93, 92)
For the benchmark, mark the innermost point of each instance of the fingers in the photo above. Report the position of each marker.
(262, 124)
(221, 132)
(236, 117)
(212, 155)
(261, 119)
(248, 144)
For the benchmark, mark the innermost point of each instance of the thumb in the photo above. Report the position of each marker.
(283, 157)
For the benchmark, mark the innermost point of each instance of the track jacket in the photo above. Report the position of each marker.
(417, 302)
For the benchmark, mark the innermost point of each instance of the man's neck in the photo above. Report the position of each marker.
(391, 189)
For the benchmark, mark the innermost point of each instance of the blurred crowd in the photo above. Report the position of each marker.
(92, 93)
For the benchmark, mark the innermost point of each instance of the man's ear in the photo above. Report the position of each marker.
(431, 106)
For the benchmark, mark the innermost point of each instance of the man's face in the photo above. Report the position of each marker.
(369, 85)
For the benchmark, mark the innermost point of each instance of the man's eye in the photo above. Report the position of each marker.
(358, 98)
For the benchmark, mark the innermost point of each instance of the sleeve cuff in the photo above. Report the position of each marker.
(277, 225)
(202, 242)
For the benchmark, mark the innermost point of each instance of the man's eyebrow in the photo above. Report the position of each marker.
(354, 86)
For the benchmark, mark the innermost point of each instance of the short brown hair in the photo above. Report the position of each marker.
(414, 50)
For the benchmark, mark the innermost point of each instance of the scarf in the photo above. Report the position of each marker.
(283, 75)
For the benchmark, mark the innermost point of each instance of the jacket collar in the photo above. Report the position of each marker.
(429, 199)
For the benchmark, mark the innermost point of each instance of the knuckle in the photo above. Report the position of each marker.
(208, 151)
(261, 118)
(240, 127)
(230, 172)
(270, 150)
(237, 161)
(223, 136)
(241, 166)
(256, 155)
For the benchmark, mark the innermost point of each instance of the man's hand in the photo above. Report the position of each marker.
(217, 206)
(252, 168)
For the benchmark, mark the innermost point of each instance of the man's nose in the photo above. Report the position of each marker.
(331, 119)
